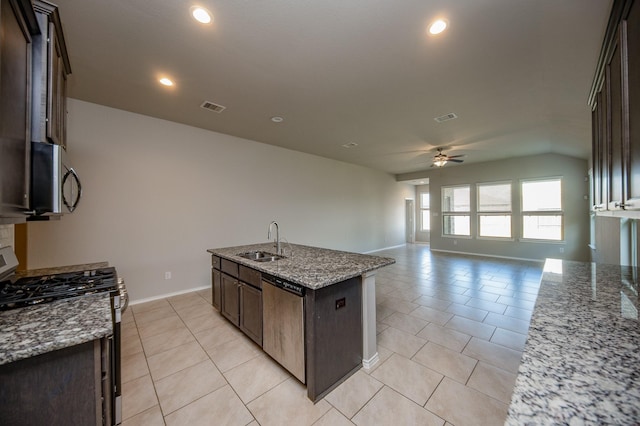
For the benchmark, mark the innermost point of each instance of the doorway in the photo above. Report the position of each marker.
(410, 227)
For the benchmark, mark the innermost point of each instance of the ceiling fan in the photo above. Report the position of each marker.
(441, 159)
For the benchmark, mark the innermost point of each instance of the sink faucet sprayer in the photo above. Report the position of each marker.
(277, 236)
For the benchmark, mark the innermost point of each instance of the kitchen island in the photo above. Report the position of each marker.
(581, 361)
(337, 284)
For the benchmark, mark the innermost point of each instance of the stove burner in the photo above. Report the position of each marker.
(47, 288)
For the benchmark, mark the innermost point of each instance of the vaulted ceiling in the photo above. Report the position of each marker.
(360, 73)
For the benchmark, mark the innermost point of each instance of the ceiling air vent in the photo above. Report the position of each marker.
(212, 107)
(445, 117)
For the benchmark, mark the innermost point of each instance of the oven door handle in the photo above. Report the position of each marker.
(76, 178)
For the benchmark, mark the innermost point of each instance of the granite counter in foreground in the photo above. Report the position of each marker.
(581, 362)
(35, 330)
(311, 267)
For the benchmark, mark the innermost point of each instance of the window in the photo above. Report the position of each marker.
(494, 210)
(425, 214)
(456, 210)
(542, 215)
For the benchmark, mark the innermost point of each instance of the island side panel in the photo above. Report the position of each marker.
(333, 335)
(369, 332)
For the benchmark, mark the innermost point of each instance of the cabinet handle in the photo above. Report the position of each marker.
(623, 205)
(598, 207)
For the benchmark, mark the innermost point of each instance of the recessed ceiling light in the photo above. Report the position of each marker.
(201, 14)
(277, 119)
(438, 26)
(166, 81)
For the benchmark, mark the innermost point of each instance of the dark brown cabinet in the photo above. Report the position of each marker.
(230, 300)
(631, 30)
(216, 282)
(18, 24)
(240, 297)
(51, 68)
(63, 387)
(615, 102)
(251, 312)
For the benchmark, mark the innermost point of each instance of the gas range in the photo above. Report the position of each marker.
(16, 292)
(30, 291)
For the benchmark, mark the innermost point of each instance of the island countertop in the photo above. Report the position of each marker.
(581, 361)
(312, 267)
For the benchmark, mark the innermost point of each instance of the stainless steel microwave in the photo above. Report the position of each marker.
(55, 186)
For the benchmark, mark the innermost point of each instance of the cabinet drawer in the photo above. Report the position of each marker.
(250, 276)
(229, 267)
(215, 262)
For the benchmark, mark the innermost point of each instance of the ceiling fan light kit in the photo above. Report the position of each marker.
(440, 159)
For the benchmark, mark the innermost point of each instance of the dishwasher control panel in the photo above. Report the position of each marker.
(284, 284)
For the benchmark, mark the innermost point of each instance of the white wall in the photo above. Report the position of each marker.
(575, 192)
(157, 194)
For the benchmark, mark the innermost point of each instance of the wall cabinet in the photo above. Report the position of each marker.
(18, 24)
(615, 102)
(34, 66)
(50, 70)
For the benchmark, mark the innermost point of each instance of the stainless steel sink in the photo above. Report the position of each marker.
(260, 256)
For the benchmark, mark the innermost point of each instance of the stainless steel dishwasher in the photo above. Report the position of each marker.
(283, 323)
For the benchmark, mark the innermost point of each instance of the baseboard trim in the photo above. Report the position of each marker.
(164, 296)
(384, 248)
(368, 363)
(488, 255)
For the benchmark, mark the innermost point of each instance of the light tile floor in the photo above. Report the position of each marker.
(450, 328)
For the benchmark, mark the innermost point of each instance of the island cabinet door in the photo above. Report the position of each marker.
(251, 312)
(230, 300)
(216, 289)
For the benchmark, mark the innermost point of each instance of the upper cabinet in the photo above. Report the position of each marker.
(34, 66)
(50, 70)
(615, 103)
(17, 28)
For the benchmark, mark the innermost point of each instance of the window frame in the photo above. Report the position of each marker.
(423, 209)
(541, 213)
(450, 213)
(488, 213)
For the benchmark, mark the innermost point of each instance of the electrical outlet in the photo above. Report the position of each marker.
(167, 275)
(561, 249)
(455, 242)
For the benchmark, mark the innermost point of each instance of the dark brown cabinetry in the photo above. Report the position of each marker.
(615, 102)
(333, 335)
(230, 307)
(51, 67)
(241, 298)
(63, 387)
(216, 282)
(17, 24)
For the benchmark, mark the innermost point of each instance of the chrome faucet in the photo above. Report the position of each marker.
(277, 236)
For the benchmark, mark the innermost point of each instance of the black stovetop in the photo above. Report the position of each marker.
(30, 291)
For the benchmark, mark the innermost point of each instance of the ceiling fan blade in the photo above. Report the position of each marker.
(453, 160)
(457, 156)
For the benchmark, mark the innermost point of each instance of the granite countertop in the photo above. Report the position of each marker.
(581, 362)
(34, 330)
(311, 267)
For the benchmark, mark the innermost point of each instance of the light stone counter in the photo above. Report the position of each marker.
(34, 330)
(311, 267)
(581, 362)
